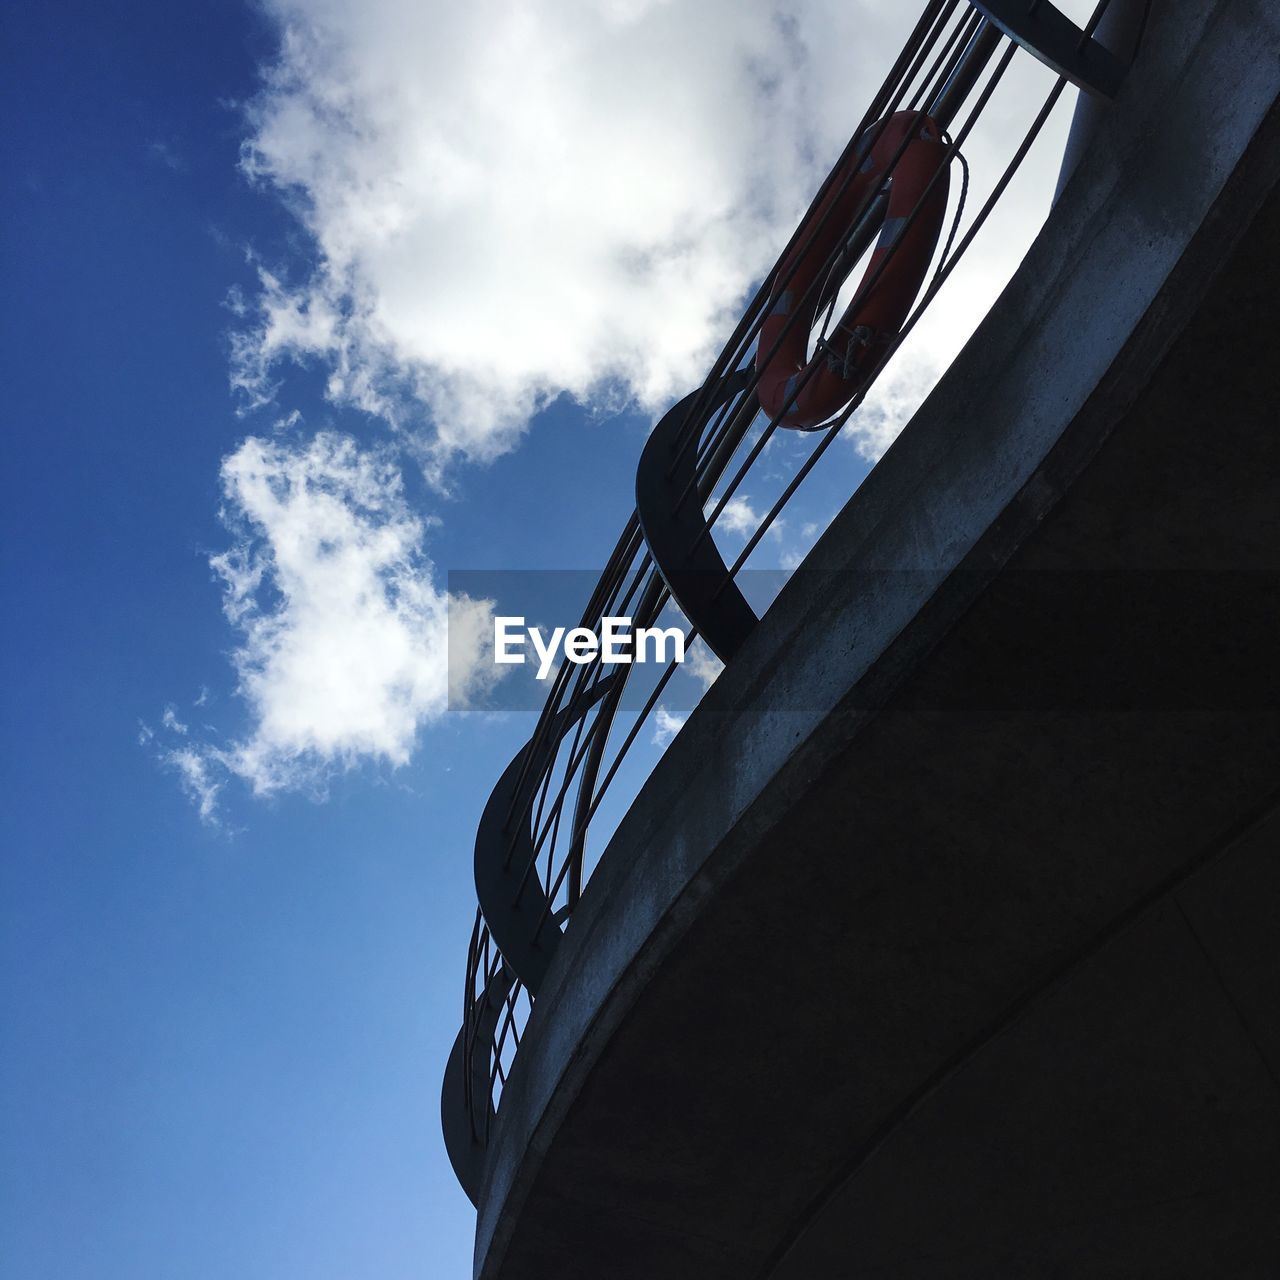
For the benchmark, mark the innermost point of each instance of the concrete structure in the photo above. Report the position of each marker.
(943, 941)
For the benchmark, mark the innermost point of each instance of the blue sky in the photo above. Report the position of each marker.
(226, 1031)
(223, 1051)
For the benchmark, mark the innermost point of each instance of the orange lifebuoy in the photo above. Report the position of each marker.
(849, 354)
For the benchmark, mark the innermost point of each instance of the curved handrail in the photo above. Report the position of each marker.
(670, 495)
(513, 901)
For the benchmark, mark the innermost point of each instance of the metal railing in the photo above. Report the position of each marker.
(531, 848)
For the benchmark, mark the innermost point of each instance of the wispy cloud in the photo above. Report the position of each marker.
(342, 653)
(896, 395)
(741, 519)
(197, 772)
(167, 154)
(702, 664)
(738, 516)
(665, 726)
(170, 721)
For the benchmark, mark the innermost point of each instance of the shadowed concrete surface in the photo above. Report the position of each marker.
(943, 940)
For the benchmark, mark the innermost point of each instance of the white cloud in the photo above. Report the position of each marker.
(894, 398)
(170, 721)
(343, 633)
(739, 517)
(167, 154)
(342, 629)
(510, 201)
(196, 771)
(665, 726)
(702, 664)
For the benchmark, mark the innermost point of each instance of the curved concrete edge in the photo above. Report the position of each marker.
(985, 458)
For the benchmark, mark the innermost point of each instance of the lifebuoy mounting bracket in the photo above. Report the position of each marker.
(1052, 37)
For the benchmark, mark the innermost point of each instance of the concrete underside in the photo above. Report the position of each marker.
(963, 961)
